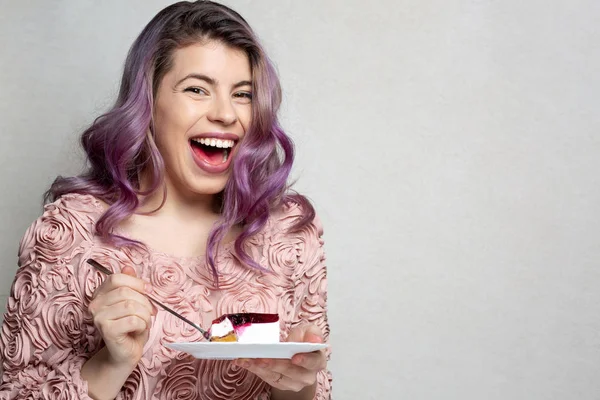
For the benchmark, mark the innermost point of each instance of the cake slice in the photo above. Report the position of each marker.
(245, 328)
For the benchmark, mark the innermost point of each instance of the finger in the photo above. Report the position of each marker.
(127, 270)
(313, 334)
(280, 380)
(306, 333)
(118, 280)
(294, 373)
(124, 309)
(125, 325)
(296, 334)
(118, 295)
(314, 361)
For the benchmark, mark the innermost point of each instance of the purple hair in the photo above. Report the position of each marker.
(120, 144)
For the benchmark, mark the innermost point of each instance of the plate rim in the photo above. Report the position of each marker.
(233, 344)
(235, 350)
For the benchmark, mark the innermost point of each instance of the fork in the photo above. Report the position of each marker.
(106, 271)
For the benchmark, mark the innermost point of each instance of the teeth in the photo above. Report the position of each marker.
(225, 155)
(223, 144)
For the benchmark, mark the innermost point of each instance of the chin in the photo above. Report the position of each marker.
(206, 187)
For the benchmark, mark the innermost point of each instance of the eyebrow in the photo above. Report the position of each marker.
(211, 81)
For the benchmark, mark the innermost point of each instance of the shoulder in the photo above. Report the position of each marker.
(78, 203)
(63, 225)
(306, 239)
(285, 219)
(80, 211)
(296, 251)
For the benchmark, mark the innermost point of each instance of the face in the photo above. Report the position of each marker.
(202, 111)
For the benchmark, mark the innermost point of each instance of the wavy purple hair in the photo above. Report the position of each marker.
(119, 148)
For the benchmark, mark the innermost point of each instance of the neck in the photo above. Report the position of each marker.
(177, 205)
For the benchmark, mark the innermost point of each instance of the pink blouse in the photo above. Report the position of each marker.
(48, 334)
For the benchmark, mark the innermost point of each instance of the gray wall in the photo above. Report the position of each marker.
(451, 147)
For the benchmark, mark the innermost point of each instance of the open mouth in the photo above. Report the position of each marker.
(212, 151)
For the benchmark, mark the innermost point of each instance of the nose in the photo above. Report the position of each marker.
(222, 111)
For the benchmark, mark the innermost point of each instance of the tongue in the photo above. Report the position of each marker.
(212, 155)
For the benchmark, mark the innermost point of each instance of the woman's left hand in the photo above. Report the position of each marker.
(291, 374)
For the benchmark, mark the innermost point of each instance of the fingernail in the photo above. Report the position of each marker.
(298, 360)
(315, 339)
(148, 288)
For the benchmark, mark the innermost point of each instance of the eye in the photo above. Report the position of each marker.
(243, 95)
(195, 90)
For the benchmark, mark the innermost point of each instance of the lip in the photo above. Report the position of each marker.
(205, 166)
(217, 135)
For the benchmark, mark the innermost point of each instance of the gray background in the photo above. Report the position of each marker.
(451, 147)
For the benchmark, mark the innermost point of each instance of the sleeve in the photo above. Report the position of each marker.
(47, 333)
(311, 293)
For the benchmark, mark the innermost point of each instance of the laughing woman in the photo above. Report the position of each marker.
(185, 198)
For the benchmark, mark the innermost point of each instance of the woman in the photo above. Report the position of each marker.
(185, 199)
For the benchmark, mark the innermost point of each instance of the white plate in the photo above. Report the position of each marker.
(233, 350)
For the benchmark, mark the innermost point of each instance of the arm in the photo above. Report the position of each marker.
(104, 377)
(122, 315)
(46, 336)
(49, 344)
(310, 310)
(305, 376)
(308, 393)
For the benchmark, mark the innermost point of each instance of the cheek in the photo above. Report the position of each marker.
(172, 124)
(245, 117)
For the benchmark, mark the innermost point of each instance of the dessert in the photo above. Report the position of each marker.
(245, 328)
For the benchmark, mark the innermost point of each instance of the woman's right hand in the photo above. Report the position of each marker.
(122, 315)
